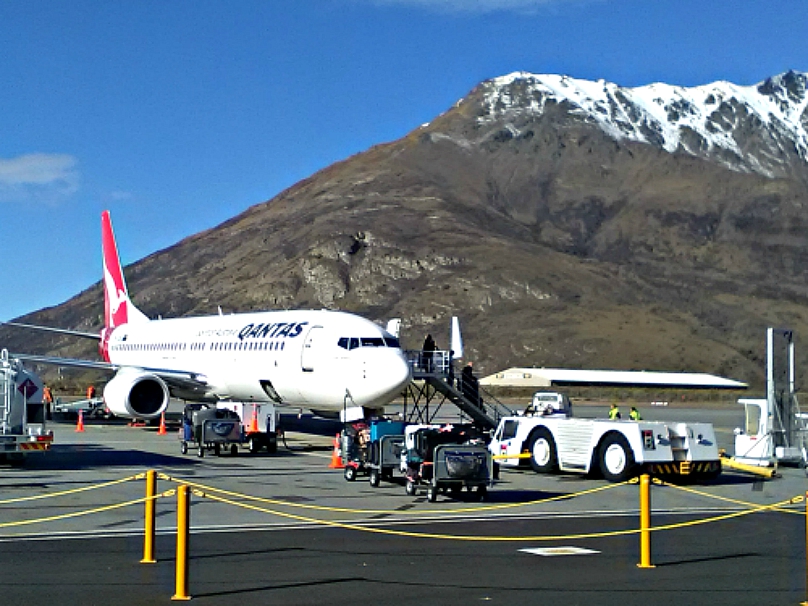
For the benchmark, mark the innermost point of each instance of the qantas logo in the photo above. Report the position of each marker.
(277, 330)
(272, 331)
(116, 295)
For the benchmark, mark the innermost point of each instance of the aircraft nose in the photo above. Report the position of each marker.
(390, 376)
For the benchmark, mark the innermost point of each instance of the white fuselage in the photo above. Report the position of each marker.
(312, 359)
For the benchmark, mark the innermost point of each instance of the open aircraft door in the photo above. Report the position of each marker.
(311, 348)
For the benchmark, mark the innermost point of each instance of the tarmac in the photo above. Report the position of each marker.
(307, 535)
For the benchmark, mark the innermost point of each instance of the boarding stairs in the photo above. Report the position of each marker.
(436, 381)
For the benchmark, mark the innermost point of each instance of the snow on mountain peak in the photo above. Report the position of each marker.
(759, 128)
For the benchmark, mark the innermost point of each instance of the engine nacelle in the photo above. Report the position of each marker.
(136, 394)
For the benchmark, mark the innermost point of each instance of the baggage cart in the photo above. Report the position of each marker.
(209, 429)
(385, 457)
(448, 460)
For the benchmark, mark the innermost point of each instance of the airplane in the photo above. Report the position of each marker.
(325, 361)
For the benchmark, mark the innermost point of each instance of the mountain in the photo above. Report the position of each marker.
(760, 129)
(567, 223)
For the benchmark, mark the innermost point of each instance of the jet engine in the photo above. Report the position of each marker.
(136, 394)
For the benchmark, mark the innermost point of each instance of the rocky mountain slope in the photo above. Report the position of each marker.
(567, 223)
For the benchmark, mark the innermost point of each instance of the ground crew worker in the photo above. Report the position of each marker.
(91, 392)
(614, 413)
(634, 414)
(47, 400)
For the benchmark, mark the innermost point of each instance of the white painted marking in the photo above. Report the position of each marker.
(558, 551)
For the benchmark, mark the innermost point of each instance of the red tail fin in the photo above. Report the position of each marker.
(118, 309)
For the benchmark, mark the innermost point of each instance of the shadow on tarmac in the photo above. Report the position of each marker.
(734, 556)
(90, 456)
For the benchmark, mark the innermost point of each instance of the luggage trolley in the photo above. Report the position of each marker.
(386, 447)
(209, 429)
(447, 459)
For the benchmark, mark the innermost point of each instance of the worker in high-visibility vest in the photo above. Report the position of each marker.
(91, 392)
(614, 413)
(634, 414)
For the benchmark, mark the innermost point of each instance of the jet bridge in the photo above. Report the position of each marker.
(436, 382)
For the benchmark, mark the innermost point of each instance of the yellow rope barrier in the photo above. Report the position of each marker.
(480, 508)
(61, 493)
(76, 514)
(701, 493)
(478, 538)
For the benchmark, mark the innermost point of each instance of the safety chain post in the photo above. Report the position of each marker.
(645, 522)
(149, 522)
(183, 518)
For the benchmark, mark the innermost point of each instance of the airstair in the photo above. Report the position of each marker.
(789, 430)
(5, 395)
(436, 382)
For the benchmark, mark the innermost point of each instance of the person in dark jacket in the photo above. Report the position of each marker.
(429, 353)
(469, 385)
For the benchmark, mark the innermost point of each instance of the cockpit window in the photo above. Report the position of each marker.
(354, 342)
(348, 343)
(372, 342)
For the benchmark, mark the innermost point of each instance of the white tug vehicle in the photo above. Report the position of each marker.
(552, 440)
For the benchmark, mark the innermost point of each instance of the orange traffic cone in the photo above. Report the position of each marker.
(80, 424)
(336, 459)
(162, 430)
(254, 421)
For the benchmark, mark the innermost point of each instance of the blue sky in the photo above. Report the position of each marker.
(177, 115)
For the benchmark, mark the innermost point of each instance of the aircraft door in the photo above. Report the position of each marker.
(311, 348)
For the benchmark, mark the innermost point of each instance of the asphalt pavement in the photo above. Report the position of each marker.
(314, 537)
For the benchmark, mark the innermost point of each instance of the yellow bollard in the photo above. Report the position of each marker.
(183, 519)
(149, 522)
(805, 603)
(645, 522)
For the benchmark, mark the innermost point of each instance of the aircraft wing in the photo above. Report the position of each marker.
(64, 331)
(176, 379)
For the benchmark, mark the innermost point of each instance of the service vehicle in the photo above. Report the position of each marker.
(23, 426)
(259, 423)
(548, 438)
(90, 408)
